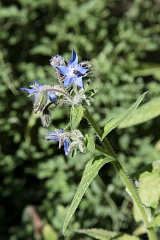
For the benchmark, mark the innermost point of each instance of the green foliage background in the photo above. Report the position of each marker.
(121, 38)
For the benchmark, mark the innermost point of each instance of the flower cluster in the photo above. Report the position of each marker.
(69, 90)
(70, 140)
(41, 95)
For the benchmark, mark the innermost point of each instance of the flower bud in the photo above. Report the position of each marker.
(40, 101)
(46, 117)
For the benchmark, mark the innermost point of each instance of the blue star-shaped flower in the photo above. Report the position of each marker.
(73, 72)
(37, 88)
(59, 136)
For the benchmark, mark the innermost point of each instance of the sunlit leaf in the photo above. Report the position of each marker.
(114, 122)
(147, 180)
(76, 115)
(96, 233)
(147, 70)
(146, 112)
(41, 50)
(102, 234)
(155, 222)
(90, 143)
(91, 170)
(49, 233)
(125, 237)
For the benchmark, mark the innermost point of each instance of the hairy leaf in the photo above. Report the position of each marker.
(96, 233)
(90, 143)
(148, 180)
(91, 170)
(114, 122)
(125, 237)
(102, 234)
(155, 222)
(146, 112)
(76, 115)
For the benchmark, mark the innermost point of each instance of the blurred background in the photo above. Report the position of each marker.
(122, 41)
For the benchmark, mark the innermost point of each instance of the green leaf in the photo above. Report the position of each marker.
(155, 222)
(146, 112)
(125, 237)
(137, 214)
(96, 233)
(114, 122)
(147, 70)
(90, 143)
(41, 50)
(148, 189)
(148, 179)
(76, 115)
(91, 170)
(102, 234)
(49, 233)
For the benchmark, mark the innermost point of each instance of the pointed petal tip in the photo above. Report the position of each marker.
(37, 84)
(74, 58)
(79, 82)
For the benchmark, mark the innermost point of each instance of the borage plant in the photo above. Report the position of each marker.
(72, 88)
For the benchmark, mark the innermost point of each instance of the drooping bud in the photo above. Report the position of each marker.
(40, 101)
(46, 117)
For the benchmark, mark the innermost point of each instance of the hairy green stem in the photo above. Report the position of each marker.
(124, 176)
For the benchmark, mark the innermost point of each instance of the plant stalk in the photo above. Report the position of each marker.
(124, 176)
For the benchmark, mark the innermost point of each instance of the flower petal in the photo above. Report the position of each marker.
(63, 70)
(52, 136)
(52, 96)
(29, 90)
(35, 95)
(79, 82)
(68, 81)
(66, 147)
(61, 130)
(74, 58)
(37, 84)
(81, 70)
